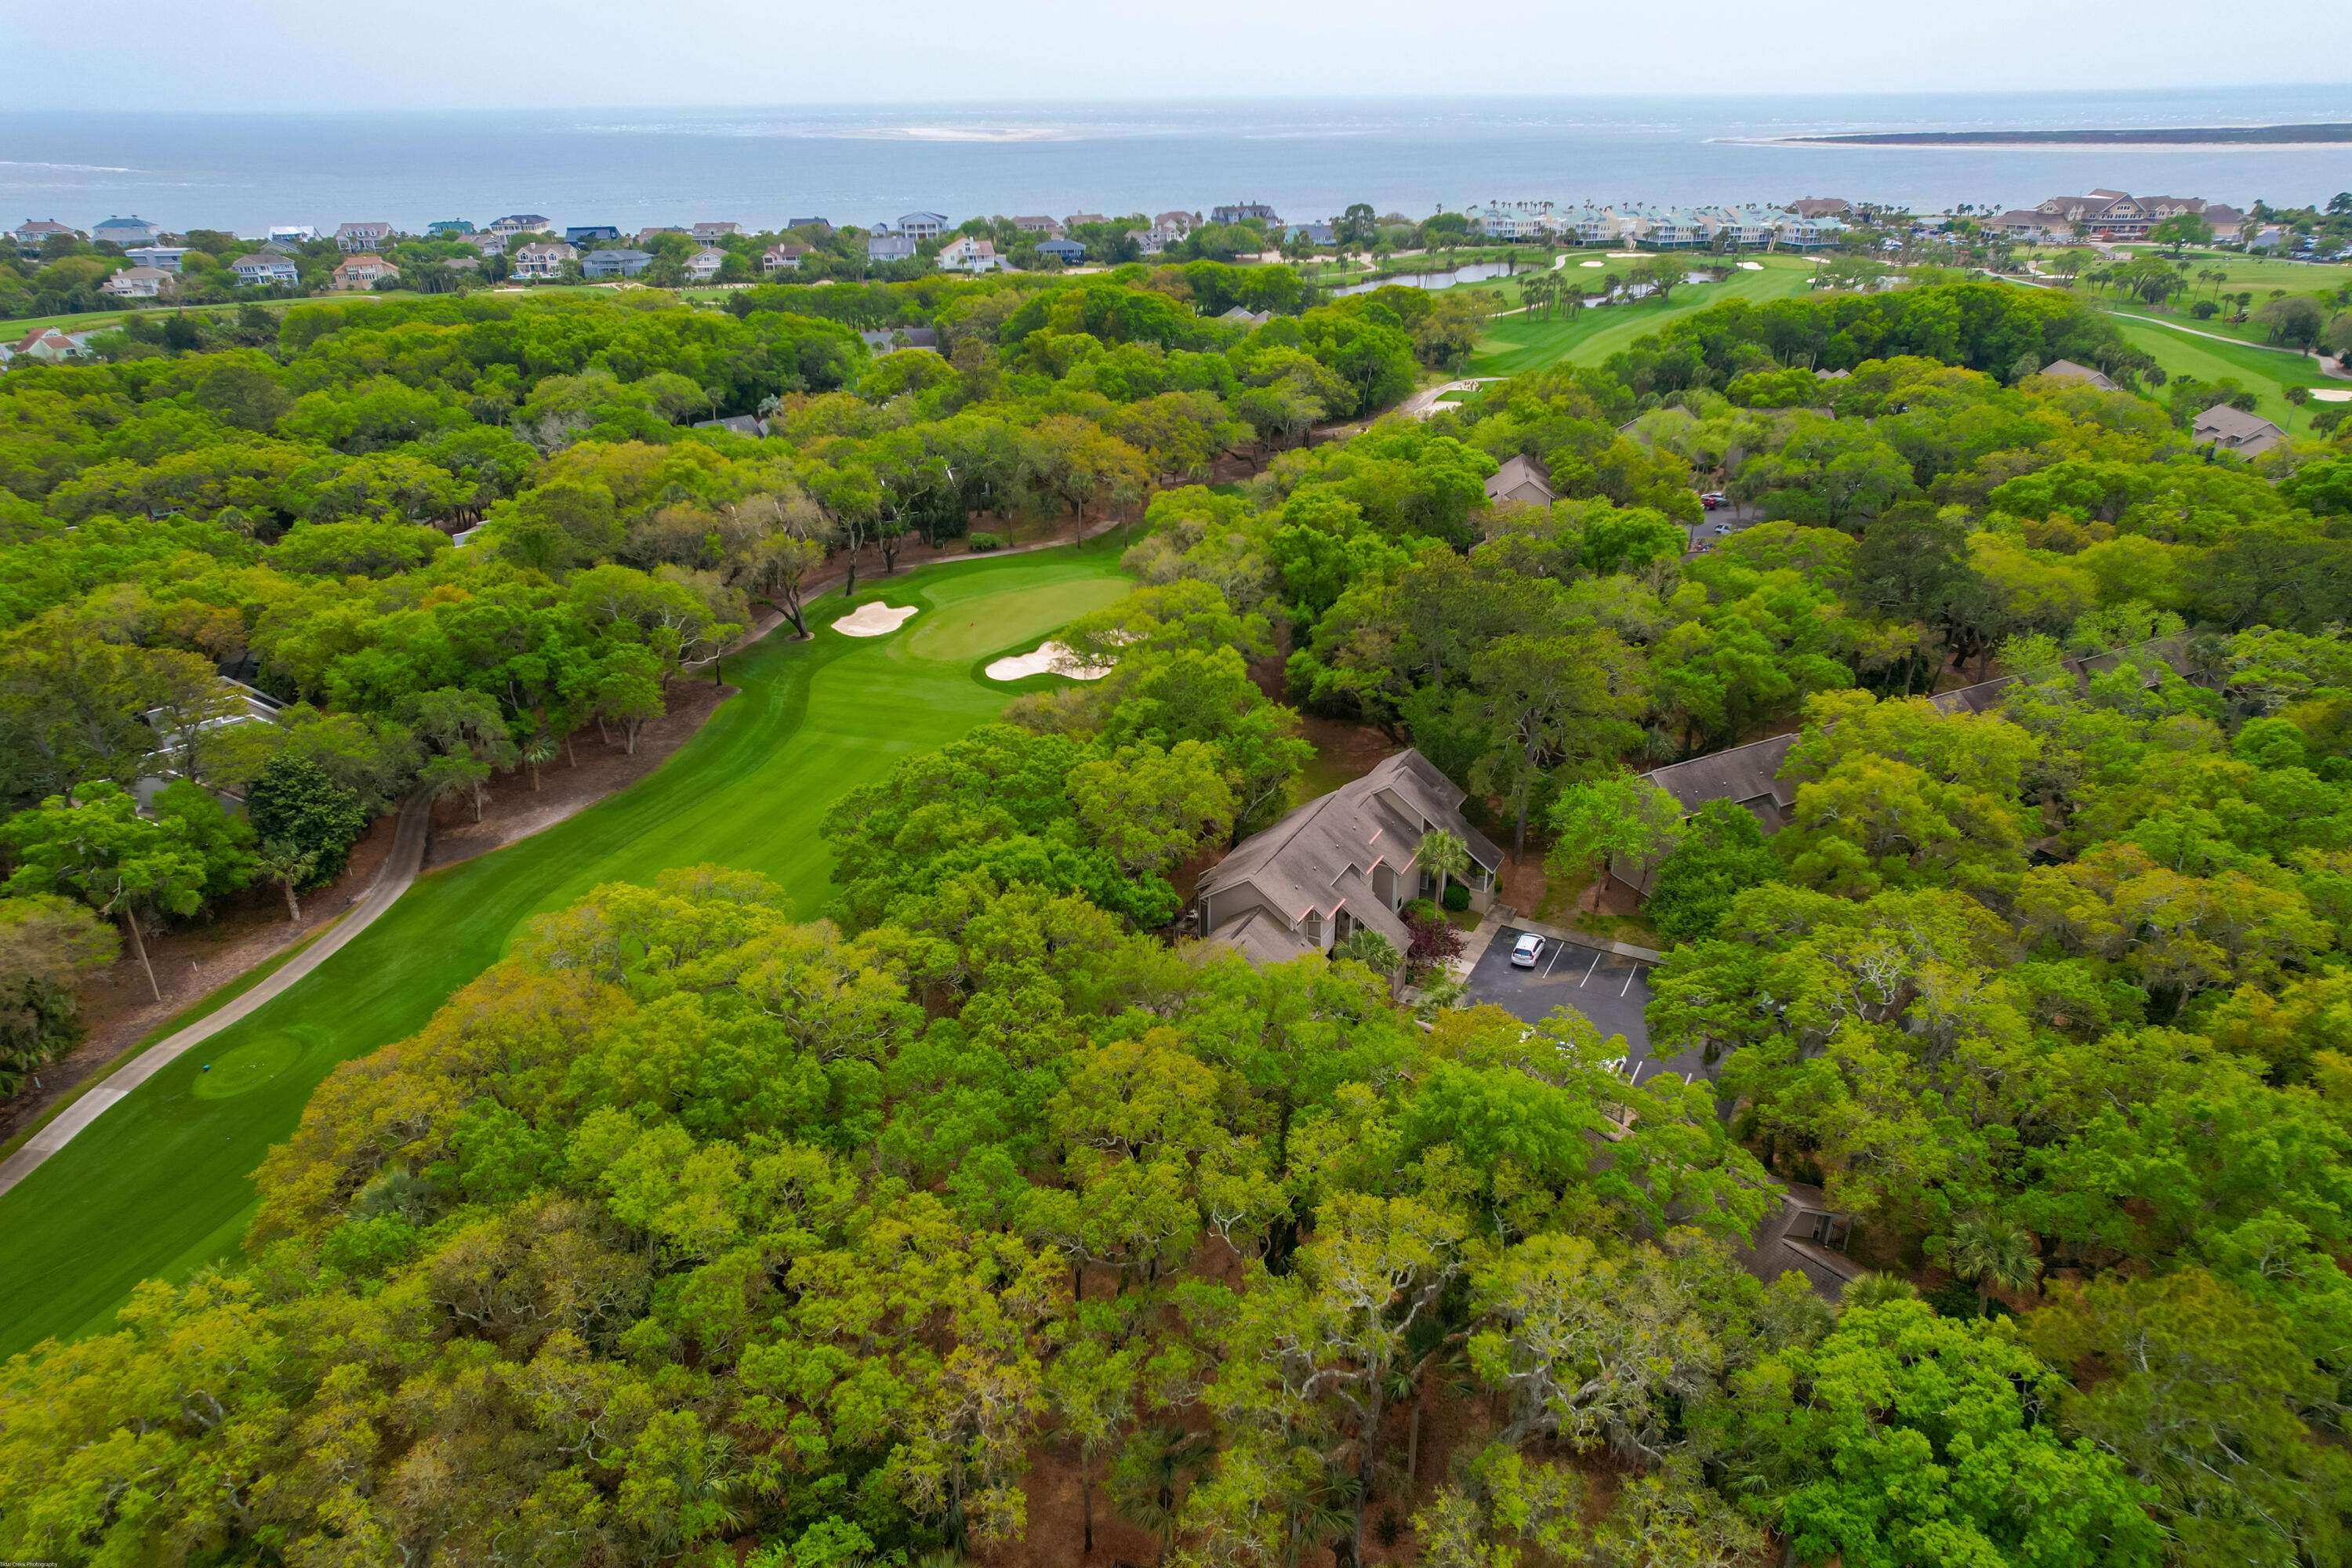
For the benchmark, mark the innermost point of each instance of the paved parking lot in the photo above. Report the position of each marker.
(1607, 987)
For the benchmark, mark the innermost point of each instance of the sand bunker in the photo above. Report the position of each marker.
(2331, 395)
(1593, 264)
(873, 620)
(1624, 254)
(1751, 267)
(1051, 657)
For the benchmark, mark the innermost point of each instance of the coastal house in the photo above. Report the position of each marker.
(449, 228)
(1241, 212)
(1513, 219)
(1519, 483)
(1753, 777)
(1808, 231)
(292, 234)
(645, 237)
(890, 340)
(1341, 862)
(590, 233)
(362, 271)
(816, 224)
(969, 253)
(1588, 224)
(1803, 1236)
(1147, 241)
(1745, 227)
(2112, 215)
(356, 238)
(262, 269)
(712, 232)
(33, 233)
(1068, 252)
(1242, 316)
(162, 257)
(888, 246)
(138, 283)
(1315, 234)
(1670, 228)
(1822, 207)
(2231, 429)
(921, 225)
(46, 345)
(1077, 220)
(621, 262)
(1175, 224)
(489, 242)
(1038, 223)
(540, 260)
(2067, 370)
(704, 264)
(784, 258)
(520, 223)
(274, 246)
(126, 232)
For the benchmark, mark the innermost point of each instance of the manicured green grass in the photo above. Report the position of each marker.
(202, 1007)
(1516, 344)
(2266, 372)
(161, 1184)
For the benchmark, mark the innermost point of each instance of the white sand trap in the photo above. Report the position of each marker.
(1751, 267)
(1593, 264)
(1624, 254)
(1051, 657)
(2331, 395)
(873, 620)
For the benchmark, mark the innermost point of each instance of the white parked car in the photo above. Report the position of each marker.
(1527, 951)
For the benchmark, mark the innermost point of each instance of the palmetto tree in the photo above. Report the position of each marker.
(539, 751)
(1994, 1255)
(1444, 856)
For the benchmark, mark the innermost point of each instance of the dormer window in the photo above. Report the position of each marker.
(1314, 927)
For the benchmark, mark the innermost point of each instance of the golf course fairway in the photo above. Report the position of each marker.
(163, 1183)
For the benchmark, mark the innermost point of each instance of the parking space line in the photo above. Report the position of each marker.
(1597, 957)
(1631, 974)
(1557, 949)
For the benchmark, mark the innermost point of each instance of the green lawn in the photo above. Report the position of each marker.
(2266, 372)
(1514, 346)
(161, 1184)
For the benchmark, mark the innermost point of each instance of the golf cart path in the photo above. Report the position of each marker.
(392, 880)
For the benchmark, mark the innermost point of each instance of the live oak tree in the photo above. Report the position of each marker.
(101, 851)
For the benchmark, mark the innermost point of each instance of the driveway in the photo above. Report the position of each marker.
(1608, 988)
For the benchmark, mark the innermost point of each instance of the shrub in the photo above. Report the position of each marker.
(981, 543)
(1458, 897)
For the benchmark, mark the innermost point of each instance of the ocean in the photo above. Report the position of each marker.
(1308, 158)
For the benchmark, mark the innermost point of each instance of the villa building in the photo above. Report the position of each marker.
(138, 283)
(1038, 223)
(362, 271)
(919, 226)
(2231, 429)
(262, 269)
(33, 232)
(1346, 860)
(704, 264)
(885, 246)
(784, 258)
(354, 238)
(620, 262)
(968, 253)
(126, 232)
(162, 257)
(540, 259)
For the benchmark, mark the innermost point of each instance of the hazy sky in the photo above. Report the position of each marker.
(437, 54)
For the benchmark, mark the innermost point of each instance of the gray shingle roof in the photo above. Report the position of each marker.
(1321, 854)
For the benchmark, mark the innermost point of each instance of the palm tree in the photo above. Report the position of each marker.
(538, 750)
(1992, 1255)
(288, 865)
(1442, 856)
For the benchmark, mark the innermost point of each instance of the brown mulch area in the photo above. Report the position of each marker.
(189, 963)
(513, 810)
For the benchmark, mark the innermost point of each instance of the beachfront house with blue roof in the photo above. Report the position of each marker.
(920, 227)
(126, 232)
(1068, 252)
(616, 263)
(583, 233)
